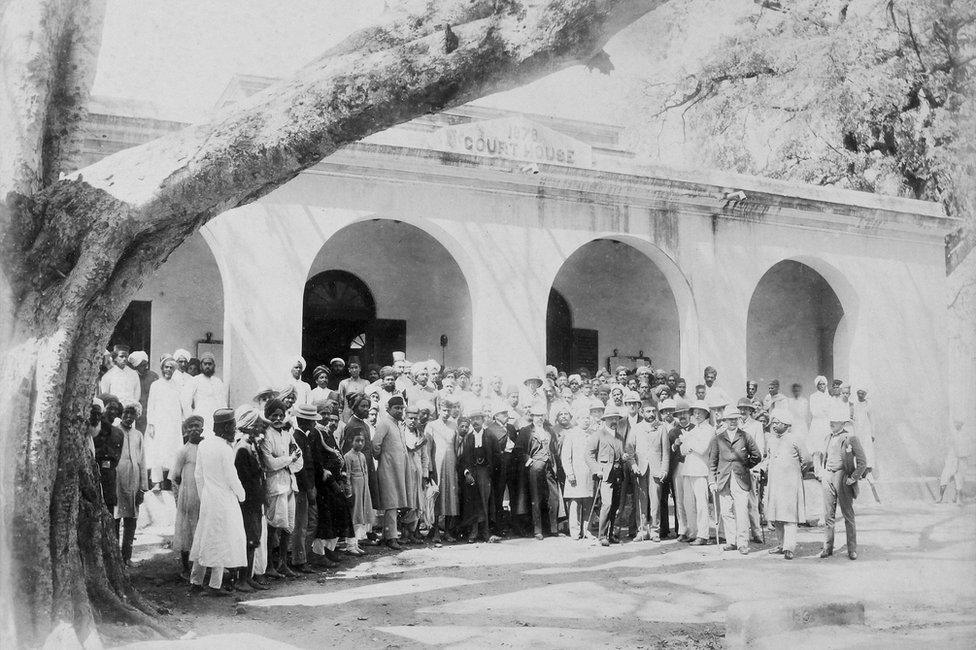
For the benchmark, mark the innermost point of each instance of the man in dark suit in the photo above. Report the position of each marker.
(476, 463)
(730, 457)
(503, 434)
(840, 466)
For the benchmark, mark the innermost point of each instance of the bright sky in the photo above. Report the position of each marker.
(180, 54)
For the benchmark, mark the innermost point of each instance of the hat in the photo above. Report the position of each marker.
(501, 408)
(784, 415)
(475, 412)
(573, 378)
(534, 378)
(667, 404)
(339, 361)
(730, 413)
(701, 405)
(399, 356)
(138, 358)
(307, 412)
(395, 400)
(223, 415)
(746, 402)
(840, 412)
(611, 412)
(680, 406)
(597, 406)
(387, 371)
(631, 396)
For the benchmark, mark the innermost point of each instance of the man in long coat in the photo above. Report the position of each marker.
(785, 460)
(219, 540)
(390, 451)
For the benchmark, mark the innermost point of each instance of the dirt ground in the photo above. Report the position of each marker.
(916, 575)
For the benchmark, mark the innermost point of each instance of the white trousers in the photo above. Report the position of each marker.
(197, 572)
(695, 505)
(735, 513)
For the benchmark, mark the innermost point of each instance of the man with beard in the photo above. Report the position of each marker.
(420, 389)
(605, 457)
(164, 424)
(182, 358)
(389, 448)
(387, 386)
(205, 393)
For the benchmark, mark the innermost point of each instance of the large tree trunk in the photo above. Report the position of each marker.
(75, 250)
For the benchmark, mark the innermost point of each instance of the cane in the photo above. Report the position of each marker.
(597, 482)
(718, 518)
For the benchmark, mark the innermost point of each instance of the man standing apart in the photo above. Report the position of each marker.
(390, 451)
(786, 459)
(205, 393)
(842, 464)
(731, 456)
(219, 539)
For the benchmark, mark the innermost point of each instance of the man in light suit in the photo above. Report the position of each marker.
(651, 450)
(731, 456)
(605, 457)
(840, 465)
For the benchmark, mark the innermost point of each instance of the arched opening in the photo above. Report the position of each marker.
(621, 303)
(559, 332)
(792, 328)
(180, 306)
(381, 286)
(339, 320)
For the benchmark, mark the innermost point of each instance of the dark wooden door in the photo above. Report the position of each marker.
(134, 329)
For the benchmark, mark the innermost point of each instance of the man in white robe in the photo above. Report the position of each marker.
(164, 424)
(205, 393)
(219, 541)
(121, 380)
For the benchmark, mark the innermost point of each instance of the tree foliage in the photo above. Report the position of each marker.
(872, 95)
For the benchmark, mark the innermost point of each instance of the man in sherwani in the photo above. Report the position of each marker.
(390, 452)
(205, 393)
(785, 460)
(731, 456)
(476, 463)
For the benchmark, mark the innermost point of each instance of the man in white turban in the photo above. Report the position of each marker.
(303, 392)
(139, 361)
(182, 358)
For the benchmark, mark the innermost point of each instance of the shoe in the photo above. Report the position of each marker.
(255, 585)
(217, 593)
(539, 536)
(494, 539)
(729, 547)
(744, 550)
(655, 538)
(852, 555)
(826, 553)
(305, 568)
(604, 541)
(332, 555)
(776, 551)
(756, 539)
(697, 542)
(788, 555)
(684, 538)
(392, 543)
(243, 586)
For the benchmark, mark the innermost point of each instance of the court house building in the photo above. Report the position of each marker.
(505, 241)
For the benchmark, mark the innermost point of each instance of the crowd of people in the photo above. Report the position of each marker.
(302, 476)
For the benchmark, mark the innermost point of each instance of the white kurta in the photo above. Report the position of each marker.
(123, 383)
(819, 420)
(164, 423)
(219, 539)
(202, 396)
(800, 409)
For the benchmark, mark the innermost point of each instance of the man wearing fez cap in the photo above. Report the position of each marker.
(840, 466)
(389, 448)
(785, 461)
(219, 540)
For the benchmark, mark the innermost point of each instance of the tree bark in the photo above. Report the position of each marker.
(75, 250)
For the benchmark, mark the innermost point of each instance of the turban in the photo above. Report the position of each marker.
(551, 370)
(190, 420)
(387, 371)
(320, 370)
(575, 378)
(433, 366)
(621, 369)
(418, 368)
(288, 390)
(299, 361)
(819, 380)
(99, 403)
(644, 370)
(166, 357)
(182, 355)
(355, 398)
(784, 415)
(336, 360)
(272, 405)
(134, 406)
(138, 358)
(464, 371)
(208, 355)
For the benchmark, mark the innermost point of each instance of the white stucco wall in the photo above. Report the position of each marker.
(615, 289)
(412, 278)
(187, 300)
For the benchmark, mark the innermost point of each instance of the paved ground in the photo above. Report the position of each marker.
(916, 575)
